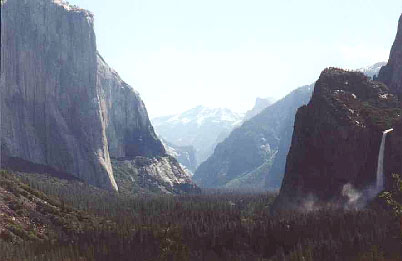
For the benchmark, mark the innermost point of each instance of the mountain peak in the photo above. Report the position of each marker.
(260, 105)
(201, 127)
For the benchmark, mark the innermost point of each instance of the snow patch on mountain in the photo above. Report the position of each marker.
(373, 70)
(200, 127)
(201, 115)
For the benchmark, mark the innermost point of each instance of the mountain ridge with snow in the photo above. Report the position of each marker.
(201, 127)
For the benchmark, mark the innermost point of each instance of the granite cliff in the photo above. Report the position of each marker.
(62, 107)
(336, 139)
(337, 136)
(128, 128)
(391, 74)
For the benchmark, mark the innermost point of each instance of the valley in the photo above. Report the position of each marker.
(310, 173)
(85, 223)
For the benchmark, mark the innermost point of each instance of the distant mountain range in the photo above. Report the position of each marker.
(201, 127)
(246, 157)
(373, 70)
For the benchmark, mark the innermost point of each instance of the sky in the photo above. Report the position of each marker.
(225, 53)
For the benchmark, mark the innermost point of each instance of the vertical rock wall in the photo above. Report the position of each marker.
(51, 111)
(391, 74)
(336, 138)
(129, 131)
(64, 109)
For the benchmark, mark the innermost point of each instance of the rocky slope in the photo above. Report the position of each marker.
(62, 106)
(201, 127)
(28, 215)
(336, 139)
(185, 155)
(246, 158)
(162, 174)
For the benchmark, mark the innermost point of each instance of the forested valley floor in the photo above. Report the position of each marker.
(45, 218)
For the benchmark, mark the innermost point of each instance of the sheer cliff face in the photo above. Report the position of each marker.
(62, 107)
(51, 112)
(129, 131)
(337, 137)
(139, 160)
(393, 153)
(391, 74)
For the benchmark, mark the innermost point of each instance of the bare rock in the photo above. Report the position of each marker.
(51, 111)
(337, 137)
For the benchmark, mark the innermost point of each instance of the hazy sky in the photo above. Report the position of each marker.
(224, 53)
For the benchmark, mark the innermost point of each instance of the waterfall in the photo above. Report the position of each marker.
(380, 165)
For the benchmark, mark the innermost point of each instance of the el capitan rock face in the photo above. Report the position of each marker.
(51, 113)
(62, 106)
(337, 137)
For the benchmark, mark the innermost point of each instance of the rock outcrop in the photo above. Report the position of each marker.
(336, 138)
(162, 174)
(246, 158)
(391, 74)
(185, 155)
(61, 105)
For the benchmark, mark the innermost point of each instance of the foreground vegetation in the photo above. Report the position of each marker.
(67, 220)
